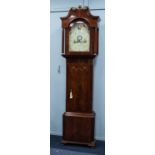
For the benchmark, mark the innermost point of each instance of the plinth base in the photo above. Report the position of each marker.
(78, 128)
(91, 144)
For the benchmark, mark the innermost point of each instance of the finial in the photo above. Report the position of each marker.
(73, 8)
(80, 7)
(85, 7)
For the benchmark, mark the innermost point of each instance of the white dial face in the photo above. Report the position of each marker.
(79, 37)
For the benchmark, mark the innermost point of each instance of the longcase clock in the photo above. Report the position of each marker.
(79, 47)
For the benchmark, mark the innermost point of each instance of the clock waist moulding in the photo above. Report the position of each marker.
(79, 47)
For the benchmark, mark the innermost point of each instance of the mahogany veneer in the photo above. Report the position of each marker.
(79, 119)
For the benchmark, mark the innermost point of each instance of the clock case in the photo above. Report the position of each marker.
(79, 118)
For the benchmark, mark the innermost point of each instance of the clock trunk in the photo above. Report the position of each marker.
(79, 85)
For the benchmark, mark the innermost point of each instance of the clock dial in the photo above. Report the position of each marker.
(79, 37)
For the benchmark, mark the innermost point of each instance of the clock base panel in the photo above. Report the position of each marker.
(78, 128)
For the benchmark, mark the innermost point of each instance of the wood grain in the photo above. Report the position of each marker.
(79, 118)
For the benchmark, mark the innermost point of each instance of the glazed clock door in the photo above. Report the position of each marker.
(79, 85)
(79, 37)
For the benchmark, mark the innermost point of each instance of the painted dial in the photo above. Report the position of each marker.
(79, 37)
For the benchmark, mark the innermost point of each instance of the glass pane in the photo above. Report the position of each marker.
(79, 37)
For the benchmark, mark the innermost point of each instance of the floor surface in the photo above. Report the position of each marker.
(57, 147)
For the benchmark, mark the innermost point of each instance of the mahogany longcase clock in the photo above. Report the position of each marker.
(79, 47)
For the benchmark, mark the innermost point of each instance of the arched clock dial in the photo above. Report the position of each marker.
(79, 37)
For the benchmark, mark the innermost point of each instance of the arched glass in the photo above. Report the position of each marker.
(79, 37)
